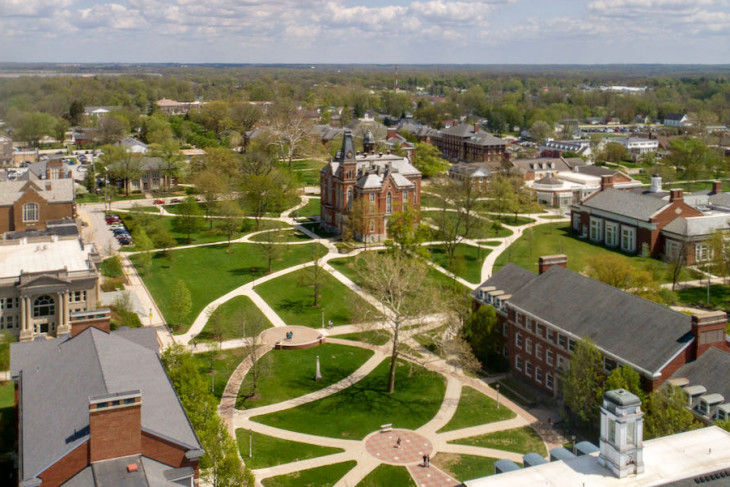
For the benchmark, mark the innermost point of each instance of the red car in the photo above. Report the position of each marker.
(159, 202)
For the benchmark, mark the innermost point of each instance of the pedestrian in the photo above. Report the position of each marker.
(329, 323)
(397, 443)
(425, 458)
(428, 461)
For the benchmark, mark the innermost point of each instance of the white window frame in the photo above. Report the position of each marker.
(672, 248)
(549, 357)
(611, 230)
(538, 375)
(596, 229)
(389, 203)
(518, 363)
(528, 346)
(549, 381)
(538, 351)
(628, 238)
(528, 368)
(31, 212)
(518, 340)
(703, 252)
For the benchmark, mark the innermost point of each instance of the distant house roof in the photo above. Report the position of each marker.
(627, 203)
(327, 132)
(466, 131)
(60, 191)
(547, 163)
(135, 145)
(59, 376)
(676, 117)
(635, 330)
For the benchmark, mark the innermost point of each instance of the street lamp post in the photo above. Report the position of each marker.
(497, 387)
(323, 318)
(572, 437)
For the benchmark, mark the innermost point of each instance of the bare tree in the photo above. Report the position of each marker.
(676, 261)
(252, 326)
(272, 250)
(398, 282)
(232, 218)
(290, 128)
(316, 273)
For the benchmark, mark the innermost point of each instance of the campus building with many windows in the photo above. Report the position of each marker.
(30, 202)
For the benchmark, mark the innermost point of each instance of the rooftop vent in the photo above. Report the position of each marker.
(132, 467)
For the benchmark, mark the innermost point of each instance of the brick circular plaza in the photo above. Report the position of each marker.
(384, 447)
(301, 337)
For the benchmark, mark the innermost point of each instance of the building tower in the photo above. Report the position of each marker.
(622, 427)
(368, 143)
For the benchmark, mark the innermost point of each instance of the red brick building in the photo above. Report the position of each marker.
(30, 202)
(382, 184)
(542, 316)
(469, 143)
(98, 409)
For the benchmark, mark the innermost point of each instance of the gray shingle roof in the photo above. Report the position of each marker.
(59, 376)
(710, 370)
(698, 226)
(626, 203)
(509, 278)
(638, 331)
(61, 191)
(467, 131)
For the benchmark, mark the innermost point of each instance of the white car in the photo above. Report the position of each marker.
(82, 169)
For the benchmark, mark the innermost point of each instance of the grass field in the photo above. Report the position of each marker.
(482, 230)
(519, 440)
(384, 475)
(363, 407)
(467, 262)
(433, 201)
(474, 409)
(224, 363)
(697, 297)
(557, 238)
(269, 451)
(283, 235)
(233, 315)
(305, 172)
(509, 219)
(286, 374)
(464, 467)
(211, 272)
(292, 297)
(309, 210)
(373, 337)
(326, 476)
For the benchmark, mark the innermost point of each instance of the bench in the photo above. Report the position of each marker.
(384, 428)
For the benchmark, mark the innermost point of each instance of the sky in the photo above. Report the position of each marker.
(360, 31)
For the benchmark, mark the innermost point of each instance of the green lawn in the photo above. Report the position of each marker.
(373, 337)
(309, 210)
(509, 219)
(519, 440)
(286, 374)
(315, 477)
(433, 201)
(467, 262)
(464, 467)
(224, 363)
(306, 171)
(474, 409)
(557, 238)
(292, 297)
(314, 228)
(361, 408)
(385, 475)
(269, 451)
(233, 314)
(483, 230)
(283, 235)
(211, 272)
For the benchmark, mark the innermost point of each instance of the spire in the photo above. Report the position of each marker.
(347, 153)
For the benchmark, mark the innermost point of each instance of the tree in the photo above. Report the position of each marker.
(272, 250)
(143, 245)
(676, 261)
(693, 157)
(156, 129)
(315, 274)
(405, 232)
(666, 413)
(245, 116)
(504, 197)
(483, 335)
(625, 377)
(584, 381)
(720, 251)
(428, 160)
(290, 127)
(172, 160)
(265, 192)
(120, 163)
(232, 218)
(357, 220)
(615, 152)
(182, 302)
(398, 282)
(32, 126)
(618, 271)
(212, 186)
(216, 325)
(188, 220)
(111, 129)
(541, 131)
(75, 113)
(253, 324)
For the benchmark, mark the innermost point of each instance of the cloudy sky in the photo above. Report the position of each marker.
(366, 31)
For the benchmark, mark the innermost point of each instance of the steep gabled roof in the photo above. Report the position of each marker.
(626, 203)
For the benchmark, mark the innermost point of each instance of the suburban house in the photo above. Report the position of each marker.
(637, 146)
(46, 279)
(555, 148)
(150, 174)
(422, 133)
(677, 120)
(653, 222)
(395, 141)
(98, 409)
(388, 183)
(29, 202)
(135, 146)
(538, 168)
(540, 331)
(326, 133)
(54, 168)
(469, 143)
(172, 107)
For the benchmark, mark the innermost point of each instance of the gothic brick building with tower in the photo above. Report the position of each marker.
(382, 184)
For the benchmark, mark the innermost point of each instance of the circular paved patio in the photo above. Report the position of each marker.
(384, 447)
(302, 337)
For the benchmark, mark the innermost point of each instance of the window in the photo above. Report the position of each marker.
(372, 226)
(702, 252)
(77, 296)
(405, 200)
(30, 212)
(611, 234)
(672, 248)
(563, 341)
(389, 203)
(571, 345)
(372, 197)
(576, 222)
(541, 330)
(8, 303)
(528, 368)
(528, 346)
(550, 357)
(518, 319)
(538, 375)
(549, 381)
(596, 229)
(518, 363)
(518, 340)
(609, 364)
(551, 335)
(504, 329)
(628, 239)
(538, 351)
(529, 324)
(44, 306)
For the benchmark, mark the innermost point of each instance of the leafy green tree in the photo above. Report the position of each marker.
(172, 160)
(182, 302)
(428, 160)
(75, 113)
(625, 377)
(156, 129)
(32, 126)
(584, 382)
(143, 245)
(120, 163)
(724, 424)
(541, 131)
(693, 157)
(272, 250)
(666, 413)
(232, 218)
(6, 338)
(212, 186)
(405, 232)
(615, 152)
(482, 333)
(189, 219)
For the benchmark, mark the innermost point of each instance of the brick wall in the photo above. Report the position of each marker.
(166, 452)
(66, 467)
(115, 432)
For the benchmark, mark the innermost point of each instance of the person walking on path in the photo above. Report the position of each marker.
(425, 461)
(397, 443)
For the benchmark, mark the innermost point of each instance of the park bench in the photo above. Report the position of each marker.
(384, 428)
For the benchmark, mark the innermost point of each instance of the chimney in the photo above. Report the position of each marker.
(622, 433)
(606, 182)
(97, 318)
(547, 261)
(716, 187)
(656, 184)
(477, 127)
(676, 195)
(115, 425)
(49, 185)
(708, 328)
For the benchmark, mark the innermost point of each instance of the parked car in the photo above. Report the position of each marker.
(120, 231)
(159, 202)
(116, 225)
(112, 219)
(125, 241)
(175, 200)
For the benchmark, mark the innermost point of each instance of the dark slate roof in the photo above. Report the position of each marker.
(638, 331)
(674, 116)
(596, 170)
(509, 279)
(467, 131)
(625, 203)
(58, 376)
(710, 370)
(150, 473)
(718, 478)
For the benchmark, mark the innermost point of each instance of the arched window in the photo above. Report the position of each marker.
(30, 212)
(44, 305)
(349, 199)
(389, 203)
